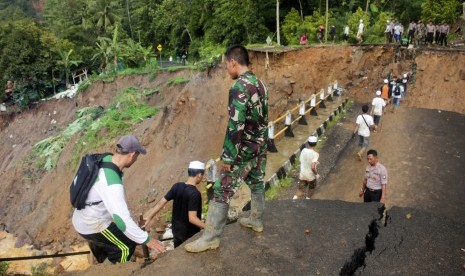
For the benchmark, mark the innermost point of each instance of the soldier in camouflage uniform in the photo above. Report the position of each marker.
(420, 34)
(244, 151)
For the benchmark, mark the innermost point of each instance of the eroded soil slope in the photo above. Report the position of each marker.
(191, 123)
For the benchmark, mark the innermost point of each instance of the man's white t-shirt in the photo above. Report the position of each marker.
(363, 129)
(307, 157)
(378, 104)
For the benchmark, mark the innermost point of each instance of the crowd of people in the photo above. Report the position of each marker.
(106, 223)
(417, 33)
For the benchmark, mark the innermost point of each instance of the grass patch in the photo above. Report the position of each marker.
(274, 191)
(150, 92)
(177, 80)
(168, 215)
(41, 270)
(177, 68)
(83, 86)
(98, 127)
(4, 268)
(115, 121)
(46, 153)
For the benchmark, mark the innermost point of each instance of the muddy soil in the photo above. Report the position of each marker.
(192, 120)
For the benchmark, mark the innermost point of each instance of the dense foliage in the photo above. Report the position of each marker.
(43, 41)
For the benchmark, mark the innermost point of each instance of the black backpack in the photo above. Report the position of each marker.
(397, 91)
(85, 178)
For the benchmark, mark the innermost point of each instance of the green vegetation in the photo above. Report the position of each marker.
(46, 152)
(40, 270)
(168, 215)
(95, 123)
(4, 268)
(117, 120)
(274, 191)
(177, 80)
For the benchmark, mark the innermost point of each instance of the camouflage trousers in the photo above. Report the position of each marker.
(251, 172)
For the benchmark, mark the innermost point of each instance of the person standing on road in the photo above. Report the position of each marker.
(187, 205)
(420, 34)
(303, 39)
(411, 31)
(387, 32)
(361, 26)
(332, 32)
(377, 108)
(106, 222)
(244, 151)
(364, 125)
(404, 83)
(429, 32)
(385, 92)
(308, 173)
(346, 32)
(375, 181)
(444, 34)
(397, 95)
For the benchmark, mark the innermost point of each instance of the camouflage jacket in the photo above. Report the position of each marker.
(247, 131)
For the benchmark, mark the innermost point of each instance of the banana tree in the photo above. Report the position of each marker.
(66, 63)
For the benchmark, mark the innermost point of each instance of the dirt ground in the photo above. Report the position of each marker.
(36, 205)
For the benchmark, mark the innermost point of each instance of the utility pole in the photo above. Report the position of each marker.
(326, 31)
(278, 36)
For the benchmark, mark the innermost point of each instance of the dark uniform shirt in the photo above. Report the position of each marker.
(186, 198)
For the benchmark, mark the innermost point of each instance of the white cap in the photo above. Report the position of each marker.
(196, 165)
(386, 81)
(312, 139)
(378, 93)
(405, 75)
(361, 20)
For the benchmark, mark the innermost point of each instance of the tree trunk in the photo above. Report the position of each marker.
(129, 18)
(301, 12)
(368, 4)
(278, 35)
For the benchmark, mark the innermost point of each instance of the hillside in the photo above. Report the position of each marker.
(191, 121)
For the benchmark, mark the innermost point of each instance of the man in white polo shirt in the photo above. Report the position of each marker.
(375, 181)
(308, 173)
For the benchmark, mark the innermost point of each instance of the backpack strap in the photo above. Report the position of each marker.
(112, 166)
(366, 122)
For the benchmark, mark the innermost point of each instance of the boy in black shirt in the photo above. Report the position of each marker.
(187, 206)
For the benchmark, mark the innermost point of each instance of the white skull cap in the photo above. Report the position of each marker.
(312, 139)
(196, 165)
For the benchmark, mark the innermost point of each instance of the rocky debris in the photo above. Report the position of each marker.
(23, 239)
